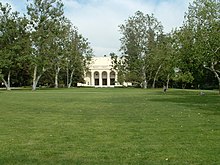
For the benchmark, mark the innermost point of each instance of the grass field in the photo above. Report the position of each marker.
(109, 126)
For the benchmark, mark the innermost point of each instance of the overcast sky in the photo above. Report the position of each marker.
(98, 20)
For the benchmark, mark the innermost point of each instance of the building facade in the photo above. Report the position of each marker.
(100, 73)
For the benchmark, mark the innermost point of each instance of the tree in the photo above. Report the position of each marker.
(167, 57)
(14, 42)
(117, 64)
(139, 34)
(45, 16)
(78, 55)
(43, 42)
(162, 60)
(59, 45)
(201, 33)
(183, 78)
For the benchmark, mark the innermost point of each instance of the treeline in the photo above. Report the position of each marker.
(41, 47)
(187, 57)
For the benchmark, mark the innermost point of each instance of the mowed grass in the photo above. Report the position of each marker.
(109, 126)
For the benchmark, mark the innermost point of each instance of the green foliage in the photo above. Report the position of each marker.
(45, 18)
(14, 41)
(43, 41)
(147, 52)
(118, 64)
(78, 56)
(184, 78)
(199, 38)
(139, 35)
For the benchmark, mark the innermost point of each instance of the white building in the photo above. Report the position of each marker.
(100, 73)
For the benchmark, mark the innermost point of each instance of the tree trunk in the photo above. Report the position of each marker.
(183, 85)
(70, 79)
(56, 77)
(212, 68)
(219, 86)
(168, 80)
(144, 84)
(144, 78)
(36, 78)
(7, 83)
(155, 77)
(148, 79)
(217, 76)
(67, 77)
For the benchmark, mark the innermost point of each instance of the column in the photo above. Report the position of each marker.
(116, 78)
(92, 79)
(108, 78)
(100, 78)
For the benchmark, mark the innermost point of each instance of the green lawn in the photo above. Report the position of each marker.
(109, 126)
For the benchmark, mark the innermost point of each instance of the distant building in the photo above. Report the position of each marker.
(100, 73)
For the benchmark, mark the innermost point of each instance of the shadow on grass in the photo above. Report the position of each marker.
(207, 104)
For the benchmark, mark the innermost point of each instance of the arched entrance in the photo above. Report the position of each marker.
(96, 77)
(104, 78)
(112, 78)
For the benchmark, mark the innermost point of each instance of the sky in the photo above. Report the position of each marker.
(98, 20)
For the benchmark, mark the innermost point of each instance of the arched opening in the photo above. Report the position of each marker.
(96, 77)
(112, 78)
(104, 78)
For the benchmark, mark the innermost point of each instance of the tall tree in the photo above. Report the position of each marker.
(45, 16)
(78, 54)
(14, 42)
(201, 35)
(167, 57)
(161, 61)
(139, 34)
(58, 59)
(119, 64)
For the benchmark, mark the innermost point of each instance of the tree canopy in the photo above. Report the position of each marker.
(42, 41)
(182, 56)
(199, 38)
(44, 47)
